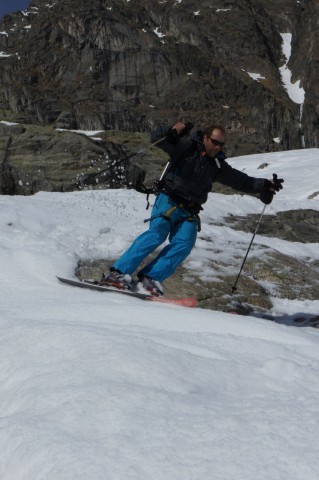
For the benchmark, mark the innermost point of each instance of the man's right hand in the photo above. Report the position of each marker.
(179, 130)
(179, 127)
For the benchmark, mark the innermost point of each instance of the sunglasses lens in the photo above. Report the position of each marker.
(217, 143)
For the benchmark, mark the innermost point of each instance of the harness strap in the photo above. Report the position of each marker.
(166, 215)
(192, 217)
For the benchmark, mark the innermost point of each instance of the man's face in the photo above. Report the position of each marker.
(214, 142)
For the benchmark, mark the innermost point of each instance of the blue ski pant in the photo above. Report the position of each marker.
(181, 234)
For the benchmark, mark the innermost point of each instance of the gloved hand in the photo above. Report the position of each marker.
(277, 183)
(270, 188)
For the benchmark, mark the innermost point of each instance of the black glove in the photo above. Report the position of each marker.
(187, 129)
(277, 182)
(270, 188)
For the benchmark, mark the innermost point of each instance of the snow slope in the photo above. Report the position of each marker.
(99, 386)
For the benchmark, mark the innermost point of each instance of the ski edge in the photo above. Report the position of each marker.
(183, 302)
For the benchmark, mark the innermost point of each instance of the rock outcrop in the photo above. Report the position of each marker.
(304, 64)
(34, 158)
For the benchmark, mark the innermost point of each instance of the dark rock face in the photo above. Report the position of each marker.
(100, 64)
(305, 66)
(34, 158)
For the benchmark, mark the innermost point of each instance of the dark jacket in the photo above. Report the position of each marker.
(191, 173)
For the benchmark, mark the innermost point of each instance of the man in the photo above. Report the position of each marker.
(196, 162)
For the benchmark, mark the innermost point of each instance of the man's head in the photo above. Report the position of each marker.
(214, 140)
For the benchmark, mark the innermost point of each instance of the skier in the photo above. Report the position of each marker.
(196, 162)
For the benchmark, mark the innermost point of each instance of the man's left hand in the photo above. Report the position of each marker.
(270, 189)
(276, 184)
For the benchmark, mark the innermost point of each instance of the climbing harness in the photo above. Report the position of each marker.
(192, 217)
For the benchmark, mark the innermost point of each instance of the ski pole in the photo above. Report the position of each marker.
(234, 287)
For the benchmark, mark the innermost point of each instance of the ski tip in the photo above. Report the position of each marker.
(189, 302)
(183, 302)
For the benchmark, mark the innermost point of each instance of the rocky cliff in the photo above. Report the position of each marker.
(114, 64)
(305, 66)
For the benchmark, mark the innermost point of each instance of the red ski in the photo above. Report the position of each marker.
(183, 302)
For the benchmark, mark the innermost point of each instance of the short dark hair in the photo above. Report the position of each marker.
(208, 131)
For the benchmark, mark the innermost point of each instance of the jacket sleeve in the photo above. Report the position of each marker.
(174, 146)
(231, 177)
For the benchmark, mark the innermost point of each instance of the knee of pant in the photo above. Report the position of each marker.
(189, 247)
(158, 238)
(185, 237)
(160, 227)
(184, 246)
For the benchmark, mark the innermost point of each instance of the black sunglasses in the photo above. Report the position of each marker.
(217, 143)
